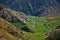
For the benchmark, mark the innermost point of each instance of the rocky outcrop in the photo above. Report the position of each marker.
(12, 16)
(6, 14)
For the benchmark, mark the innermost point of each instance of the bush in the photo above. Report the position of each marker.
(54, 35)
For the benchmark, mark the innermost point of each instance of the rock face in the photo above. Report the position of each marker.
(9, 31)
(12, 16)
(55, 35)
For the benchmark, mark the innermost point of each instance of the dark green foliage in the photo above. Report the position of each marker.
(58, 27)
(25, 28)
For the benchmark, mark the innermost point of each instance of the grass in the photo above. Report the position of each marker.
(6, 35)
(37, 25)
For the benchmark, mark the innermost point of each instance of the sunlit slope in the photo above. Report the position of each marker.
(9, 31)
(42, 25)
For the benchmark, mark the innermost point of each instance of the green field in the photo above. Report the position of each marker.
(40, 26)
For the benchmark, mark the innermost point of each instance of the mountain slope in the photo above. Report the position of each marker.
(33, 7)
(9, 31)
(19, 19)
(12, 15)
(6, 12)
(34, 28)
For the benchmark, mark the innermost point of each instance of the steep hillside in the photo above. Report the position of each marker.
(18, 19)
(32, 27)
(13, 16)
(9, 31)
(40, 27)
